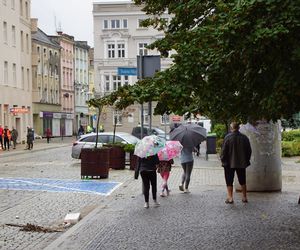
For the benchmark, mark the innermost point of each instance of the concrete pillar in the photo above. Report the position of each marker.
(264, 173)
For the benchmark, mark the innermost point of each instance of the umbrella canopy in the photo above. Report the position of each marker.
(189, 135)
(149, 145)
(170, 151)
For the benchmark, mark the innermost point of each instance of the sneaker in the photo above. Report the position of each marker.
(163, 195)
(146, 205)
(156, 204)
(181, 188)
(187, 191)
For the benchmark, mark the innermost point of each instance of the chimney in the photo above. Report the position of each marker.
(34, 24)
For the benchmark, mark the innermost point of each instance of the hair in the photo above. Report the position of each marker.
(234, 126)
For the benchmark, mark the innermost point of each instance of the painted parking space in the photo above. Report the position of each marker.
(49, 185)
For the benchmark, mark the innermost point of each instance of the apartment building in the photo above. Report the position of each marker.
(119, 38)
(81, 83)
(92, 110)
(45, 82)
(67, 94)
(15, 66)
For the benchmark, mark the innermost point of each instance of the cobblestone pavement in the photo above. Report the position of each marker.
(199, 220)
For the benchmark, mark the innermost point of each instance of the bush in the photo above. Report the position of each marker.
(129, 148)
(220, 130)
(292, 135)
(290, 148)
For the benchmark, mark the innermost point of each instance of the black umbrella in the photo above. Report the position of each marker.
(189, 135)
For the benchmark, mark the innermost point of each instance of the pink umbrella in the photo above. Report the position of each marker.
(170, 151)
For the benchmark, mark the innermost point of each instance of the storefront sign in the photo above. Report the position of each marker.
(57, 115)
(70, 116)
(19, 110)
(127, 71)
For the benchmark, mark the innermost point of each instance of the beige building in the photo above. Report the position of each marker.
(119, 38)
(45, 82)
(15, 66)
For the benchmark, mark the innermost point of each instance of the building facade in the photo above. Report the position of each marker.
(45, 82)
(81, 84)
(119, 38)
(92, 110)
(15, 66)
(67, 95)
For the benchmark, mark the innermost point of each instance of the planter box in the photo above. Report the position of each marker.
(133, 161)
(95, 162)
(117, 157)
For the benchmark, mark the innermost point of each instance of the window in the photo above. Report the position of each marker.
(5, 32)
(111, 50)
(22, 41)
(146, 116)
(126, 80)
(165, 119)
(26, 10)
(27, 44)
(107, 83)
(105, 24)
(115, 24)
(142, 50)
(117, 117)
(121, 50)
(13, 4)
(125, 23)
(5, 73)
(21, 7)
(23, 76)
(89, 139)
(13, 35)
(117, 83)
(14, 72)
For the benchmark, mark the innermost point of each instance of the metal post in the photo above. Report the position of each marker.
(165, 124)
(141, 74)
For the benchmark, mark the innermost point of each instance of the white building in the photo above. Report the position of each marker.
(15, 66)
(119, 38)
(81, 83)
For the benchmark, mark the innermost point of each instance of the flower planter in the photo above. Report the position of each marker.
(95, 162)
(117, 157)
(133, 161)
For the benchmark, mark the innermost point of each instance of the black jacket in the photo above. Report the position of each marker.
(146, 164)
(236, 151)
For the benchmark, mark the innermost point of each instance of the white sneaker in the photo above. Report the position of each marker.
(146, 205)
(187, 191)
(156, 204)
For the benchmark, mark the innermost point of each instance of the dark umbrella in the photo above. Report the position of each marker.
(189, 135)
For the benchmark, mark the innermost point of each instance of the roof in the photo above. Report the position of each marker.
(42, 37)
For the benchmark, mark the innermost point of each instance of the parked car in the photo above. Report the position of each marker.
(136, 131)
(89, 141)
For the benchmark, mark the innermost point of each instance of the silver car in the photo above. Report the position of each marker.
(89, 141)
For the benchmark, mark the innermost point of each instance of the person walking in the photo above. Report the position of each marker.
(30, 138)
(164, 169)
(14, 137)
(6, 138)
(235, 157)
(1, 136)
(147, 168)
(187, 163)
(48, 134)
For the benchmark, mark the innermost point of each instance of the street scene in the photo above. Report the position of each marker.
(149, 125)
(116, 219)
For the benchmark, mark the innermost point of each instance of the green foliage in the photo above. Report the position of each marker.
(219, 144)
(292, 135)
(220, 130)
(290, 148)
(129, 148)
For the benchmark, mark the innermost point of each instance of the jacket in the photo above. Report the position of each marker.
(236, 151)
(146, 164)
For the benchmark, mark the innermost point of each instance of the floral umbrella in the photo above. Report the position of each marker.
(149, 145)
(170, 151)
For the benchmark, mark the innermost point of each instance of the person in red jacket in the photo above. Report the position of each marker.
(48, 134)
(6, 137)
(1, 134)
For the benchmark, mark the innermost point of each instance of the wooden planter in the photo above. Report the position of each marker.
(117, 157)
(133, 161)
(95, 162)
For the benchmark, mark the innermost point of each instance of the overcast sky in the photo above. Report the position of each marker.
(73, 16)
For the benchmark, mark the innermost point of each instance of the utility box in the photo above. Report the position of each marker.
(211, 145)
(150, 65)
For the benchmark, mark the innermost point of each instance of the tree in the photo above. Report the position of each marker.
(234, 59)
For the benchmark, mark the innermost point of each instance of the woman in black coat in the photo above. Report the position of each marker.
(147, 168)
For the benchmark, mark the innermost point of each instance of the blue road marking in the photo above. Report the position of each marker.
(82, 186)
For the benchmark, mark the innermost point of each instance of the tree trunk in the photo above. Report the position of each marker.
(264, 173)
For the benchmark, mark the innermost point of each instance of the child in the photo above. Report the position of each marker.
(164, 168)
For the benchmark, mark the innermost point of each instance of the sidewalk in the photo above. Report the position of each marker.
(38, 145)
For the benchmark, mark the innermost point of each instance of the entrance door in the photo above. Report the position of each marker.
(18, 128)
